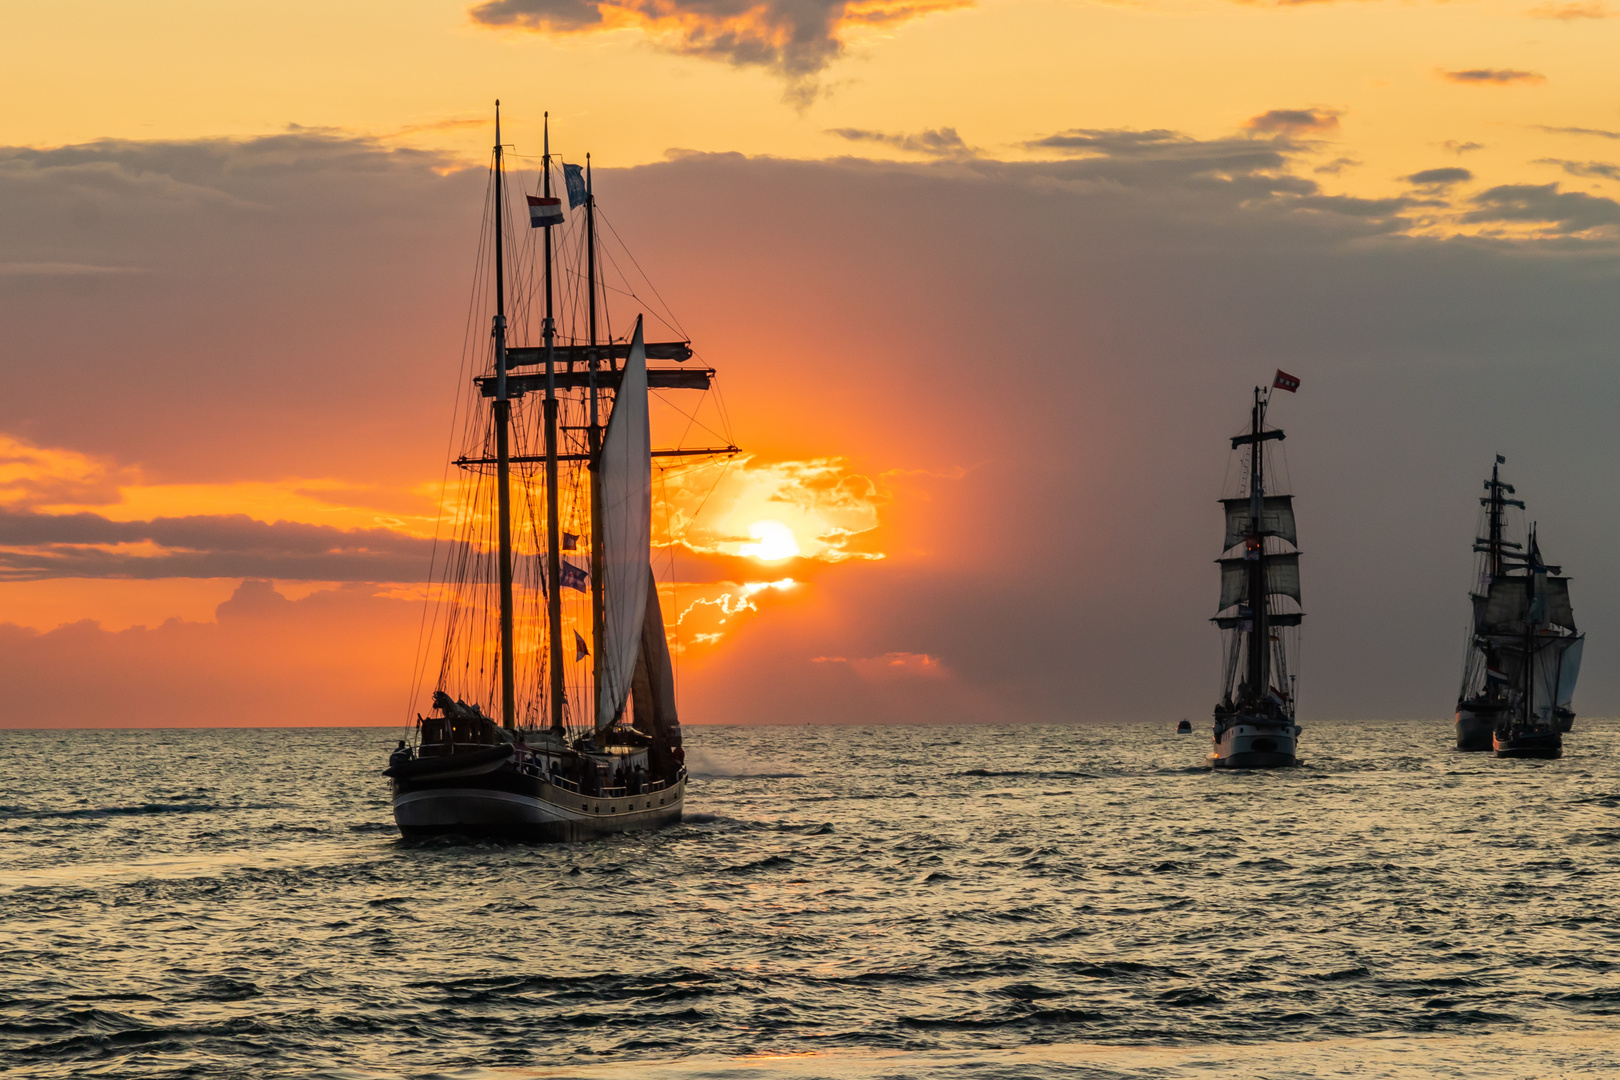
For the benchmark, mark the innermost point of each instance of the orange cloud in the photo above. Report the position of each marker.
(796, 39)
(1492, 76)
(1295, 121)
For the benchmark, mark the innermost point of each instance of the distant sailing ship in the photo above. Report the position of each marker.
(1254, 723)
(538, 769)
(1524, 651)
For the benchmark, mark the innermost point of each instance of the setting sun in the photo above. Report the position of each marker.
(774, 542)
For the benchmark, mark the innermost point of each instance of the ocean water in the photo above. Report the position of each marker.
(974, 902)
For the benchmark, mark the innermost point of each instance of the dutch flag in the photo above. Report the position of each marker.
(543, 211)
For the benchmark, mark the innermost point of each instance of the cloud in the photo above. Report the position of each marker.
(1336, 166)
(34, 546)
(336, 657)
(1460, 148)
(977, 371)
(1438, 179)
(1591, 170)
(1492, 76)
(1598, 133)
(1295, 121)
(1544, 204)
(1592, 9)
(795, 39)
(934, 142)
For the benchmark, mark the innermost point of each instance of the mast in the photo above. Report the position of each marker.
(503, 456)
(1493, 552)
(553, 538)
(594, 433)
(1259, 633)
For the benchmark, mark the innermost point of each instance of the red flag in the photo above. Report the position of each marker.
(1285, 381)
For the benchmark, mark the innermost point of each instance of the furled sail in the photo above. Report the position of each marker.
(624, 469)
(1282, 578)
(1276, 518)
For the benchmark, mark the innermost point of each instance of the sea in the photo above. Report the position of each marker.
(854, 902)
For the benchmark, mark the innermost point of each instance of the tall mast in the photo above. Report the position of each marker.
(553, 544)
(1259, 633)
(1493, 556)
(503, 456)
(595, 445)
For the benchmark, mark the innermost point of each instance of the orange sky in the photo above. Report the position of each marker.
(979, 279)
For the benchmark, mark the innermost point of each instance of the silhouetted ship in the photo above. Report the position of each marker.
(1524, 652)
(1259, 612)
(540, 767)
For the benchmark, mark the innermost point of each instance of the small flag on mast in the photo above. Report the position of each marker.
(1285, 381)
(1500, 460)
(580, 651)
(544, 211)
(575, 577)
(574, 177)
(570, 541)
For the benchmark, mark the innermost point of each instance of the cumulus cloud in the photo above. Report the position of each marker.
(1544, 204)
(1295, 121)
(935, 142)
(796, 39)
(1492, 76)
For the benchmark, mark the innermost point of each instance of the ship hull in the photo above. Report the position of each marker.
(1565, 719)
(515, 806)
(1542, 743)
(1475, 726)
(1247, 742)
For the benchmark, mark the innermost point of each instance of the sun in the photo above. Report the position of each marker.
(775, 542)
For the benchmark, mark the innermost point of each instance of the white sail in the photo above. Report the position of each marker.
(1559, 611)
(1276, 518)
(1555, 666)
(624, 469)
(1570, 671)
(1282, 578)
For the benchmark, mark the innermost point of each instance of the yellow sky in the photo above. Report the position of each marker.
(1001, 72)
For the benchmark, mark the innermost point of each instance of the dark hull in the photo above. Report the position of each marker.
(1476, 723)
(510, 805)
(1528, 744)
(1245, 741)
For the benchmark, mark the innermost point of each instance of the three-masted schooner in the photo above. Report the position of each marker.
(539, 767)
(1524, 651)
(1254, 722)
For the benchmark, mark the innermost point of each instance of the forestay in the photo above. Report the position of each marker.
(1276, 518)
(624, 469)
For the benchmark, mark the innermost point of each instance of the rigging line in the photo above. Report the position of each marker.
(691, 416)
(712, 488)
(674, 323)
(444, 479)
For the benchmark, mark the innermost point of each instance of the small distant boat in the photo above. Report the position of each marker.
(1184, 728)
(1254, 723)
(1524, 655)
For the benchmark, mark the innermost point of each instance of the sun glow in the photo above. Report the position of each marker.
(774, 542)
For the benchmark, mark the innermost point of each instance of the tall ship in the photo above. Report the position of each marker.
(1259, 614)
(1524, 649)
(537, 731)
